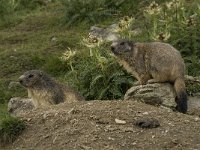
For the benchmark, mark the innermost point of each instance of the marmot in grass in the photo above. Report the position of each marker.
(154, 62)
(44, 91)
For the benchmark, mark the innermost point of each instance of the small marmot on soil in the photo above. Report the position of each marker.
(154, 62)
(45, 91)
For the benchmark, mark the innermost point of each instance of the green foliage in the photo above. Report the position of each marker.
(29, 4)
(96, 74)
(91, 11)
(3, 112)
(10, 9)
(4, 93)
(193, 87)
(6, 9)
(55, 66)
(10, 128)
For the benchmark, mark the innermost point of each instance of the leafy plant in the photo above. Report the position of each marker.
(90, 11)
(6, 9)
(10, 128)
(10, 10)
(4, 93)
(96, 73)
(29, 4)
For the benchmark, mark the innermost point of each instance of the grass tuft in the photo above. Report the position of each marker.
(10, 129)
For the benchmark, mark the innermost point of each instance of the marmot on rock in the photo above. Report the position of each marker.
(44, 91)
(154, 62)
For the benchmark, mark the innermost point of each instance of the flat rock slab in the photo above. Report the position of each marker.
(161, 94)
(154, 94)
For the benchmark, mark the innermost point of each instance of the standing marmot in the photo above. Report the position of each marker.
(154, 62)
(45, 91)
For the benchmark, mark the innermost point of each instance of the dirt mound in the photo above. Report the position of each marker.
(107, 125)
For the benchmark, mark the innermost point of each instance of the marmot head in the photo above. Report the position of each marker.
(30, 78)
(122, 47)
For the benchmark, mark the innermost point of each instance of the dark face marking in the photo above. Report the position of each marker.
(122, 47)
(30, 76)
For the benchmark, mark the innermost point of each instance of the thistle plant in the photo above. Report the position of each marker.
(95, 72)
(124, 27)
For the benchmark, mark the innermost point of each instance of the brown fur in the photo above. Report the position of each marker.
(153, 62)
(44, 91)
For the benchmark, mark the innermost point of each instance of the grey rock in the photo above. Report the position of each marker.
(154, 94)
(113, 27)
(18, 106)
(162, 94)
(194, 105)
(14, 85)
(105, 34)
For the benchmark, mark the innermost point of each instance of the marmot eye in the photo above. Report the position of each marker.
(30, 76)
(122, 43)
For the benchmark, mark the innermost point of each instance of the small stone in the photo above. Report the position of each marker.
(110, 138)
(134, 143)
(28, 119)
(44, 116)
(145, 113)
(70, 111)
(120, 121)
(46, 136)
(127, 129)
(54, 140)
(56, 114)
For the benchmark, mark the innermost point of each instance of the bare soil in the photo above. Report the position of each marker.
(92, 126)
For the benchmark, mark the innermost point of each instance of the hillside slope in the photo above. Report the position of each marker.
(91, 125)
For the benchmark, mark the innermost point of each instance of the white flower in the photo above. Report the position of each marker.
(153, 8)
(91, 41)
(125, 23)
(68, 54)
(162, 36)
(170, 5)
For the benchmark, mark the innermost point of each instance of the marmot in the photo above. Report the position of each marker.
(44, 91)
(154, 62)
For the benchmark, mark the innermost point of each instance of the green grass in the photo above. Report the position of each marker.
(10, 129)
(3, 112)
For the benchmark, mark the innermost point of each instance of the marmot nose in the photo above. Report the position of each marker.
(20, 81)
